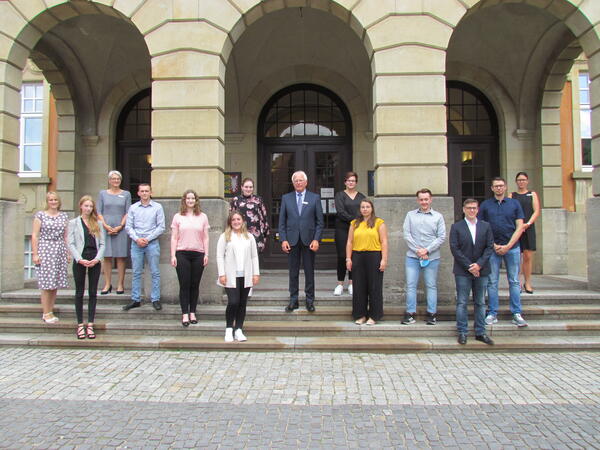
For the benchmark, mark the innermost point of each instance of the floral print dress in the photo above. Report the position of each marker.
(254, 211)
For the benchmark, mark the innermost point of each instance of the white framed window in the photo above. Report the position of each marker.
(32, 109)
(585, 119)
(28, 266)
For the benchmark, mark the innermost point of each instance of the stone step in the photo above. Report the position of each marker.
(328, 344)
(300, 328)
(280, 297)
(261, 313)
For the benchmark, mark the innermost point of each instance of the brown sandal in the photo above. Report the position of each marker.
(90, 331)
(81, 331)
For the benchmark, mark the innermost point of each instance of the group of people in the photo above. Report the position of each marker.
(115, 228)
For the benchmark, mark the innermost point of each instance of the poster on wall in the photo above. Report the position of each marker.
(232, 181)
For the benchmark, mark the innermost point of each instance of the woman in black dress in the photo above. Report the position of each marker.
(254, 212)
(347, 205)
(531, 207)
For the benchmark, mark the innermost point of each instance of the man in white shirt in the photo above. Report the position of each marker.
(471, 244)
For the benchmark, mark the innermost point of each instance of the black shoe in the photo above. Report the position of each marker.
(156, 305)
(462, 339)
(106, 292)
(131, 305)
(120, 292)
(291, 306)
(185, 324)
(310, 306)
(431, 319)
(408, 319)
(194, 321)
(485, 339)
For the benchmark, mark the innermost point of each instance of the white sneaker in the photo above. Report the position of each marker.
(491, 319)
(250, 293)
(228, 334)
(519, 321)
(350, 289)
(239, 336)
(338, 289)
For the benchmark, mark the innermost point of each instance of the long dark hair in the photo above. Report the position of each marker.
(360, 218)
(183, 206)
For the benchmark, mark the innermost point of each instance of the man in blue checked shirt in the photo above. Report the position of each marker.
(145, 223)
(424, 233)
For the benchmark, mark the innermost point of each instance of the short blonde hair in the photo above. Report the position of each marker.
(115, 172)
(48, 194)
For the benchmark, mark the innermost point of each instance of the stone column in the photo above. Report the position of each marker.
(593, 204)
(188, 135)
(11, 211)
(409, 125)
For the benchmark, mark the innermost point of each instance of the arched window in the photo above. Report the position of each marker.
(134, 140)
(472, 144)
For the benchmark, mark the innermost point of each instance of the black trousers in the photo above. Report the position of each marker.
(93, 273)
(237, 298)
(302, 252)
(190, 266)
(367, 294)
(341, 237)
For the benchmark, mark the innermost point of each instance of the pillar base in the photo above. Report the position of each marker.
(217, 211)
(11, 245)
(593, 243)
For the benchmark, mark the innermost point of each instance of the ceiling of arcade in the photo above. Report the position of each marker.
(517, 45)
(94, 54)
(288, 41)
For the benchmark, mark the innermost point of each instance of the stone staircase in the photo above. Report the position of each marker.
(562, 315)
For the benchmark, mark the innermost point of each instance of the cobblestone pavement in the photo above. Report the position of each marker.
(138, 399)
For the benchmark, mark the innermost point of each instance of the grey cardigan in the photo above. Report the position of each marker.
(226, 264)
(76, 240)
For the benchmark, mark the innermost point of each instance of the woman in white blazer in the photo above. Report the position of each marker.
(86, 242)
(237, 263)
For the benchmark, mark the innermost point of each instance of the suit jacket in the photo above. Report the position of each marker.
(465, 253)
(307, 226)
(76, 240)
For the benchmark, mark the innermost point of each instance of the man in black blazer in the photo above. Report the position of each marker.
(300, 229)
(471, 244)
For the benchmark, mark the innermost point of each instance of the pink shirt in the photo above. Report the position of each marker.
(192, 232)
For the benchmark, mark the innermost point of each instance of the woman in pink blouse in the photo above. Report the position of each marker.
(189, 252)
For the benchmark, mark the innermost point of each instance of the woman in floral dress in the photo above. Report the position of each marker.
(254, 212)
(50, 255)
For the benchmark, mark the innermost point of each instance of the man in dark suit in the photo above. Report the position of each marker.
(300, 229)
(471, 244)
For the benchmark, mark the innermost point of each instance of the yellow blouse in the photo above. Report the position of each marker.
(366, 239)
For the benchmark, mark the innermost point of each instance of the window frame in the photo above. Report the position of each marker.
(35, 114)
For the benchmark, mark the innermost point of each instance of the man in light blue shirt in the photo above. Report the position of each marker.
(145, 223)
(424, 233)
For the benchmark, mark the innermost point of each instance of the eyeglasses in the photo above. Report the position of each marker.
(496, 186)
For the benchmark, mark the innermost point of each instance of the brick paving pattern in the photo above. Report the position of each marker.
(137, 399)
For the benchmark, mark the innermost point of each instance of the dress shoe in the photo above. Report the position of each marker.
(485, 339)
(291, 306)
(131, 305)
(120, 292)
(156, 305)
(108, 291)
(462, 339)
(310, 306)
(193, 320)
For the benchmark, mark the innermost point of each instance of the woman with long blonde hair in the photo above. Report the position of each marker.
(237, 264)
(49, 253)
(86, 241)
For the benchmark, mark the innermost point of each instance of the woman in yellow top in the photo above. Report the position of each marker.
(366, 257)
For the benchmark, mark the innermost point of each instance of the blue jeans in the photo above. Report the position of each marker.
(464, 286)
(152, 253)
(512, 262)
(413, 270)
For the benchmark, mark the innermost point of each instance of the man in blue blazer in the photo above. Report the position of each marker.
(471, 244)
(300, 229)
